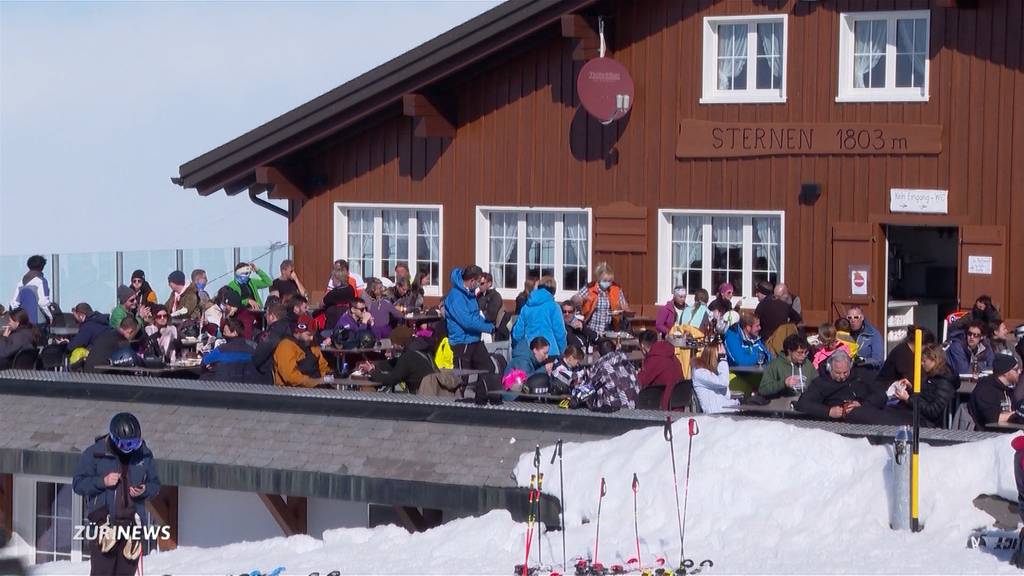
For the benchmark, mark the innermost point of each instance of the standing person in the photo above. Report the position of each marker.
(488, 298)
(297, 359)
(18, 335)
(402, 273)
(671, 312)
(288, 283)
(247, 286)
(184, 299)
(143, 291)
(347, 277)
(711, 380)
(660, 366)
(32, 294)
(782, 293)
(790, 373)
(723, 300)
(603, 302)
(199, 280)
(116, 476)
(773, 313)
(465, 324)
(528, 286)
(869, 340)
(541, 317)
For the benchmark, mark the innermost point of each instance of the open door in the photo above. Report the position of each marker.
(982, 264)
(855, 276)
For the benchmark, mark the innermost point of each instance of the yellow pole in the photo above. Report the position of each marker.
(915, 475)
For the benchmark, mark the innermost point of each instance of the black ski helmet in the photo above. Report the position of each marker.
(125, 426)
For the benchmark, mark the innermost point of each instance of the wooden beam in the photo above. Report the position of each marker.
(431, 122)
(7, 504)
(280, 186)
(415, 520)
(164, 508)
(291, 515)
(577, 26)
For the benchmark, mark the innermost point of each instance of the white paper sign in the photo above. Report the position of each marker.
(919, 201)
(859, 281)
(979, 265)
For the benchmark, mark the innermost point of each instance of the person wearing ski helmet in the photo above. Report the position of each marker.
(116, 476)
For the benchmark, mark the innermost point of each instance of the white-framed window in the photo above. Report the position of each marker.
(883, 56)
(703, 249)
(374, 238)
(514, 243)
(744, 59)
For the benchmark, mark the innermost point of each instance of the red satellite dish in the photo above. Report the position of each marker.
(606, 89)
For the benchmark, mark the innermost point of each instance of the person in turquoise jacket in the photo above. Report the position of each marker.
(248, 286)
(541, 316)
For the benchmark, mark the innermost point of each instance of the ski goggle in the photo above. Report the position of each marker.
(127, 445)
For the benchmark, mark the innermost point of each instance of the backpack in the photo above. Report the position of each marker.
(963, 419)
(444, 357)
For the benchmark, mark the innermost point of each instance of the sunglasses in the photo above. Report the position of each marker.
(974, 334)
(854, 317)
(161, 315)
(127, 445)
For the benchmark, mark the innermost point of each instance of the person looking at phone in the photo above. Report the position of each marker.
(603, 302)
(115, 476)
(791, 372)
(842, 395)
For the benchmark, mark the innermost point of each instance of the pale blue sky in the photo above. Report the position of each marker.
(101, 102)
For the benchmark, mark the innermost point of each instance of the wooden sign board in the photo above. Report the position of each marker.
(704, 139)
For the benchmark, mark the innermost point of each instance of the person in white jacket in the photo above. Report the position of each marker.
(711, 381)
(33, 292)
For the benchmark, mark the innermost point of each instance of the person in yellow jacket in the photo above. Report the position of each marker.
(297, 361)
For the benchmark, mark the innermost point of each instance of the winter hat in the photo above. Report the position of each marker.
(139, 274)
(124, 293)
(764, 289)
(305, 323)
(725, 287)
(176, 277)
(232, 298)
(1002, 364)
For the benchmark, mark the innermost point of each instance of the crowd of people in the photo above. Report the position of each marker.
(701, 346)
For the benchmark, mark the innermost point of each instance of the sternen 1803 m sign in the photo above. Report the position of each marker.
(705, 139)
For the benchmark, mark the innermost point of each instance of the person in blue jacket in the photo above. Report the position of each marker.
(541, 316)
(743, 343)
(116, 476)
(91, 325)
(465, 322)
(870, 349)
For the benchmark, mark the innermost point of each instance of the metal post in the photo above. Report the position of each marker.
(179, 259)
(915, 466)
(119, 265)
(55, 277)
(236, 255)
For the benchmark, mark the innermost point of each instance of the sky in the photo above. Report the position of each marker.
(100, 103)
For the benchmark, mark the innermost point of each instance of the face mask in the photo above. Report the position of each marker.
(200, 285)
(605, 284)
(242, 278)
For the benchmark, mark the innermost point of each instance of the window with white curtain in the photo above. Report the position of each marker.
(705, 249)
(883, 56)
(744, 59)
(376, 238)
(516, 244)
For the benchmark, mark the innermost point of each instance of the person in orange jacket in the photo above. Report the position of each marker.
(297, 360)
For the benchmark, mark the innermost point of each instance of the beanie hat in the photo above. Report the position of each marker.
(232, 298)
(1002, 364)
(138, 274)
(124, 293)
(176, 277)
(725, 287)
(305, 323)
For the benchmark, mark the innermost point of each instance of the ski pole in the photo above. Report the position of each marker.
(540, 518)
(597, 539)
(561, 495)
(636, 523)
(675, 483)
(529, 528)
(686, 490)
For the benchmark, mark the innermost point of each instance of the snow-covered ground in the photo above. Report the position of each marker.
(764, 498)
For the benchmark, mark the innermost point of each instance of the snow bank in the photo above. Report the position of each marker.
(765, 498)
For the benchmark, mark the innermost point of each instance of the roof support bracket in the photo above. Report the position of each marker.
(582, 29)
(431, 122)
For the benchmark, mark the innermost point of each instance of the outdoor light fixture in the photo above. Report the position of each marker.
(809, 193)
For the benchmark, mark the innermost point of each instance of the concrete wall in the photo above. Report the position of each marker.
(329, 514)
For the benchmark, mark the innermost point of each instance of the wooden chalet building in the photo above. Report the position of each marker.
(863, 151)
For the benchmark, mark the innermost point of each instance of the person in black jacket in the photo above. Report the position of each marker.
(411, 367)
(116, 475)
(104, 346)
(18, 335)
(994, 400)
(840, 395)
(938, 386)
(278, 327)
(576, 332)
(899, 365)
(91, 325)
(488, 298)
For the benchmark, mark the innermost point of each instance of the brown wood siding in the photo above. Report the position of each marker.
(521, 140)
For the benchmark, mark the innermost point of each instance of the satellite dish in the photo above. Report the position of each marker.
(606, 89)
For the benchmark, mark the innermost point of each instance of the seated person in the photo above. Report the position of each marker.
(356, 319)
(743, 344)
(532, 360)
(160, 338)
(844, 336)
(842, 395)
(278, 327)
(405, 298)
(232, 360)
(995, 399)
(128, 305)
(567, 372)
(791, 372)
(576, 333)
(900, 363)
(297, 306)
(828, 343)
(231, 307)
(383, 312)
(613, 379)
(415, 363)
(107, 344)
(143, 291)
(297, 359)
(711, 380)
(938, 387)
(91, 325)
(870, 345)
(969, 351)
(183, 303)
(660, 367)
(18, 335)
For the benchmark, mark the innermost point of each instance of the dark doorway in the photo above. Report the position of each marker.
(922, 278)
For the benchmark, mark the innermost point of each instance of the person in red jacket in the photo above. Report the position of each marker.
(660, 367)
(1018, 474)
